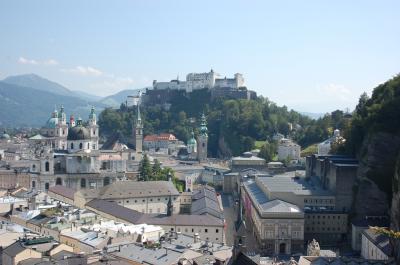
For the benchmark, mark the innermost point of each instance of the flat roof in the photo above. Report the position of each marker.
(266, 205)
(296, 185)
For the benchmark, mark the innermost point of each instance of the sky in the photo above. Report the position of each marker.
(312, 56)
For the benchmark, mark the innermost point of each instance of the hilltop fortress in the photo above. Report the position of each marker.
(219, 87)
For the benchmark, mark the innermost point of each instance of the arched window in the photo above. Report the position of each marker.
(106, 181)
(47, 166)
(72, 145)
(80, 146)
(83, 183)
(58, 181)
(46, 186)
(94, 132)
(33, 167)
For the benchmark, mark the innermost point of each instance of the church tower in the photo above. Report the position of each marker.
(202, 140)
(93, 129)
(138, 132)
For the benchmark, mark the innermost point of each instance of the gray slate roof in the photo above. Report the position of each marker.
(135, 217)
(14, 249)
(132, 189)
(205, 201)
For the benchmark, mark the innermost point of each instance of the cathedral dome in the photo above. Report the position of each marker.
(52, 123)
(78, 133)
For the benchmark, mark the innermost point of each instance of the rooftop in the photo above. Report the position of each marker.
(129, 189)
(293, 184)
(269, 206)
(379, 240)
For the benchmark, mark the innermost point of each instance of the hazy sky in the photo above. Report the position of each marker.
(313, 56)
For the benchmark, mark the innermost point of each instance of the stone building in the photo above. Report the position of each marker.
(277, 225)
(287, 149)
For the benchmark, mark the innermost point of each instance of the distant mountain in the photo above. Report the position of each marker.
(120, 97)
(39, 83)
(86, 96)
(26, 106)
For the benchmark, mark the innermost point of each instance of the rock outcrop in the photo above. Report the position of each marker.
(395, 210)
(377, 158)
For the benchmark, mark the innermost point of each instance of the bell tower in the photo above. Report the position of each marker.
(202, 140)
(138, 132)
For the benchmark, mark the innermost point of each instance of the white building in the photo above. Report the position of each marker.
(288, 149)
(375, 246)
(325, 147)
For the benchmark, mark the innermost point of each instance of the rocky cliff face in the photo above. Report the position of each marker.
(395, 209)
(377, 157)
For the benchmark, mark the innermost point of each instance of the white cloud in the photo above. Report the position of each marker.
(50, 62)
(23, 60)
(84, 71)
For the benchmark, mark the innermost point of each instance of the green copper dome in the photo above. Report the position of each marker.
(52, 123)
(192, 141)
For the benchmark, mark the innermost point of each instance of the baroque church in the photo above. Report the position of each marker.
(68, 154)
(197, 149)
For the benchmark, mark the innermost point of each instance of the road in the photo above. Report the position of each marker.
(230, 217)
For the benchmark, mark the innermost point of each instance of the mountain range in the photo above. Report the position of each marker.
(28, 100)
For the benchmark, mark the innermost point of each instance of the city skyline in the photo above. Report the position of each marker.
(299, 55)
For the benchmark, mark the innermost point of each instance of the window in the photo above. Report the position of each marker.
(206, 230)
(216, 230)
(47, 166)
(83, 183)
(80, 146)
(178, 229)
(192, 230)
(88, 146)
(186, 230)
(72, 145)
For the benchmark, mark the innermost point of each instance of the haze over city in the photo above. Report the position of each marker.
(310, 56)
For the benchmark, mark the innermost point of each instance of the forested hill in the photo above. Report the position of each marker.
(234, 125)
(374, 138)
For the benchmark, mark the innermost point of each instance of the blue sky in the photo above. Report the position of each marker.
(313, 56)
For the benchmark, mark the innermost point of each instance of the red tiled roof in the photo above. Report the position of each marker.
(160, 137)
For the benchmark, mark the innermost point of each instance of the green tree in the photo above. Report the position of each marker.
(145, 170)
(156, 170)
(268, 151)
